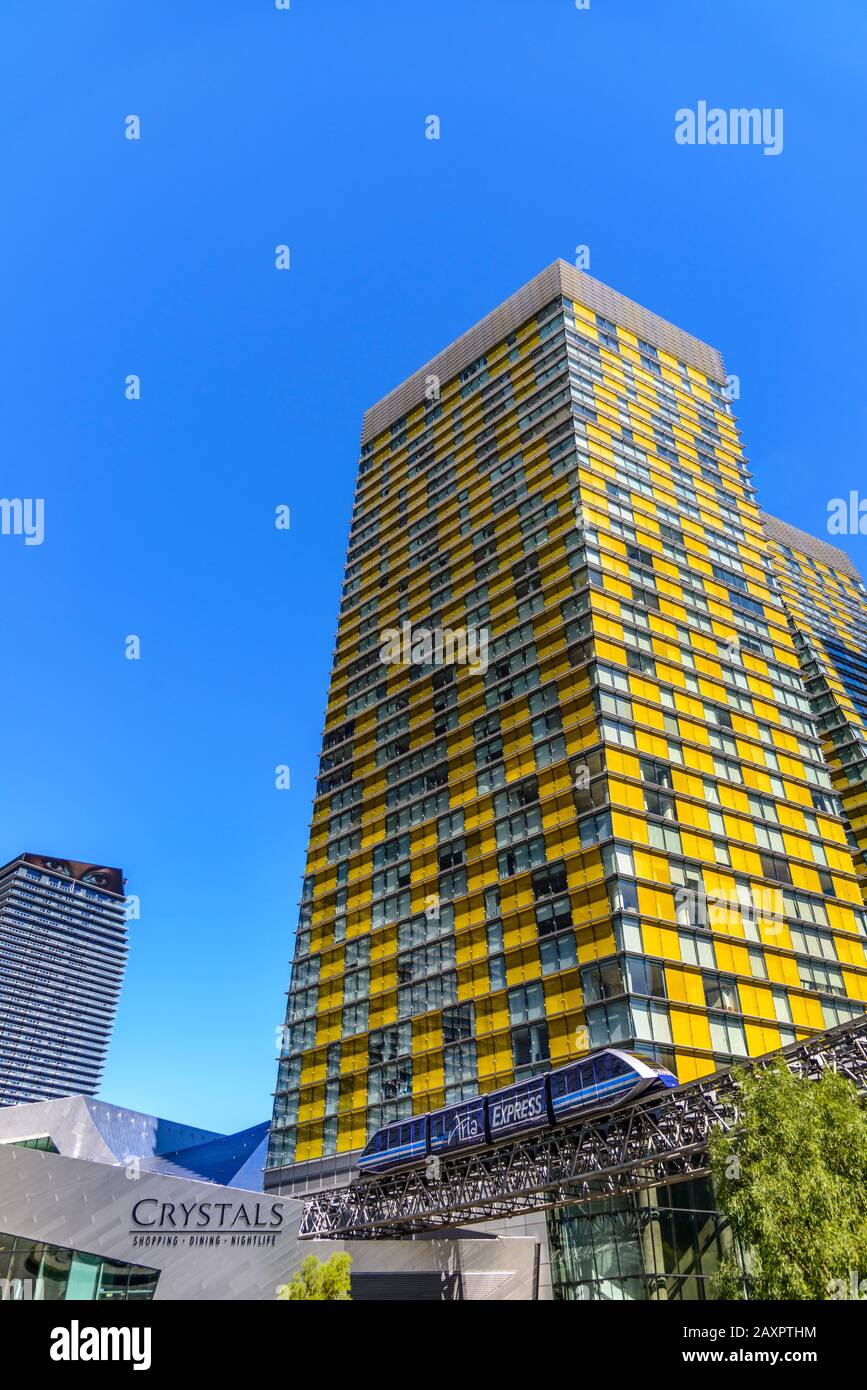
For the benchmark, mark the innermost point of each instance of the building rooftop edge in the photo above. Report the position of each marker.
(108, 1109)
(813, 546)
(558, 278)
(30, 860)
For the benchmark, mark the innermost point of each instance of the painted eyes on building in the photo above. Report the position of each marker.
(98, 878)
(58, 866)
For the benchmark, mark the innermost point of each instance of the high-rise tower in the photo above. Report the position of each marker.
(62, 955)
(827, 605)
(571, 791)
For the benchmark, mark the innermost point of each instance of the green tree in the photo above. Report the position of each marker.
(318, 1282)
(792, 1180)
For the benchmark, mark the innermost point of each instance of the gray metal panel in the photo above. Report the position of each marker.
(297, 1179)
(88, 1207)
(466, 1268)
(812, 546)
(559, 278)
(640, 321)
(82, 1127)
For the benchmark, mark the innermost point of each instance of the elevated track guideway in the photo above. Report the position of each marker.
(654, 1140)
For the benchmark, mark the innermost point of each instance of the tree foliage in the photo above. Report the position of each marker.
(792, 1180)
(317, 1282)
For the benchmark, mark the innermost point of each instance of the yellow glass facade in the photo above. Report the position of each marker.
(619, 826)
(827, 606)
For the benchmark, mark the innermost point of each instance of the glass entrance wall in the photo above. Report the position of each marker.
(32, 1270)
(664, 1243)
(39, 1141)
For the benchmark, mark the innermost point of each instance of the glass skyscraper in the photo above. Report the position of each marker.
(63, 945)
(571, 790)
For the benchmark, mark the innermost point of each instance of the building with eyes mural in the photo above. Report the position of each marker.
(63, 946)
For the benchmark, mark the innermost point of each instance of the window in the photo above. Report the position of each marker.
(518, 826)
(696, 950)
(492, 902)
(690, 899)
(595, 828)
(387, 1044)
(727, 1036)
(550, 750)
(721, 992)
(447, 827)
(354, 1019)
(496, 969)
(518, 796)
(617, 859)
(613, 678)
(391, 879)
(609, 1023)
(839, 1011)
(530, 1050)
(656, 772)
(815, 975)
(356, 985)
(657, 803)
(390, 851)
(651, 1021)
(549, 881)
(770, 838)
(520, 857)
(627, 934)
(558, 953)
(393, 1081)
(427, 995)
(809, 942)
(640, 662)
(56, 1270)
(601, 981)
(782, 1009)
(452, 853)
(356, 952)
(618, 733)
(711, 793)
(553, 916)
(776, 867)
(664, 837)
(437, 921)
(764, 809)
(459, 1052)
(623, 895)
(452, 884)
(646, 976)
(526, 1003)
(458, 1023)
(41, 1141)
(428, 960)
(460, 1066)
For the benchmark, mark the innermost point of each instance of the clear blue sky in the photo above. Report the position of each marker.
(156, 257)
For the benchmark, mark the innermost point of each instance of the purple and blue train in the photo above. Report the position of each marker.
(600, 1082)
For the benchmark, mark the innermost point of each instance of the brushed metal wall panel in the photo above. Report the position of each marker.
(817, 549)
(559, 278)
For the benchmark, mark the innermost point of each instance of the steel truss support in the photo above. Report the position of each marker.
(656, 1140)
